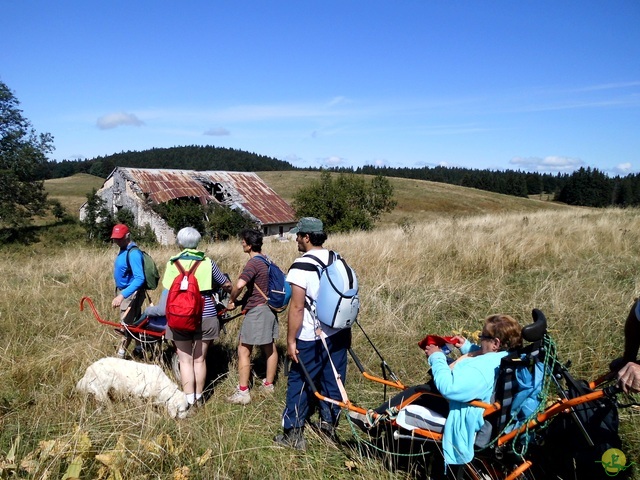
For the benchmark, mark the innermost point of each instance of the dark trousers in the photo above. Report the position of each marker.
(316, 360)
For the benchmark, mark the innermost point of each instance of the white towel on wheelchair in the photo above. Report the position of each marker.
(417, 416)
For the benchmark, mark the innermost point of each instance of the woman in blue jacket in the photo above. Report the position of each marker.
(471, 377)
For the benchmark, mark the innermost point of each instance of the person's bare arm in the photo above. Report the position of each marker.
(294, 319)
(235, 291)
(631, 336)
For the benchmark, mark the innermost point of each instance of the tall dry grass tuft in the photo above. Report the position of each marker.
(579, 267)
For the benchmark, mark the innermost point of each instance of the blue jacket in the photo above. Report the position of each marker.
(128, 280)
(471, 378)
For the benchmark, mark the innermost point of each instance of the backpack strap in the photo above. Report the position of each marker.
(146, 292)
(179, 267)
(333, 256)
(267, 261)
(127, 257)
(191, 270)
(308, 301)
(349, 272)
(313, 268)
(339, 382)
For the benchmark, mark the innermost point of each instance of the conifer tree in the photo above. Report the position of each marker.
(23, 153)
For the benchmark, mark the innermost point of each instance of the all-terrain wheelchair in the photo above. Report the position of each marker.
(541, 423)
(149, 331)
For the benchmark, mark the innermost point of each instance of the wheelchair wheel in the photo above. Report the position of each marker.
(484, 469)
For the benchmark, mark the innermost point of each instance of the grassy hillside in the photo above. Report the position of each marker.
(418, 200)
(72, 191)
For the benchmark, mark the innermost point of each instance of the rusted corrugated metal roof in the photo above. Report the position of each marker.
(244, 189)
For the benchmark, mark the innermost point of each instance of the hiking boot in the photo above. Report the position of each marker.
(137, 353)
(266, 388)
(291, 438)
(240, 397)
(193, 408)
(326, 429)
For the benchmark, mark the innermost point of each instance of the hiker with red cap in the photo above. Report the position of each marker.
(128, 273)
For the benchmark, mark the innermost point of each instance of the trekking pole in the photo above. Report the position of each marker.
(572, 413)
(314, 389)
(383, 364)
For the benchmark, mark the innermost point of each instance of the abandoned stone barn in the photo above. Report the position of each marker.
(137, 188)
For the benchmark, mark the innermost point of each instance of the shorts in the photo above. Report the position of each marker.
(209, 330)
(131, 307)
(259, 327)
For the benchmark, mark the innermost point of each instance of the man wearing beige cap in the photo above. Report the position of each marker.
(128, 273)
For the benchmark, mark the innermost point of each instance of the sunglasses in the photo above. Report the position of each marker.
(486, 337)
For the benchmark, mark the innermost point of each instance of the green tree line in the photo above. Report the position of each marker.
(584, 187)
(192, 157)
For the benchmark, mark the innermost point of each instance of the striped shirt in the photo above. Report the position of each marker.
(255, 272)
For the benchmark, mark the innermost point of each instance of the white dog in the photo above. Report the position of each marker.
(124, 377)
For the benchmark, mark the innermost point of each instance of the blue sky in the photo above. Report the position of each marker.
(532, 85)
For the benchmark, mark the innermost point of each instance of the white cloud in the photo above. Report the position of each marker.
(333, 161)
(547, 164)
(217, 132)
(380, 163)
(608, 86)
(113, 120)
(623, 168)
(337, 101)
(292, 158)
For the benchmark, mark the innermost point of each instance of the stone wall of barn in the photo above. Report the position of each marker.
(118, 192)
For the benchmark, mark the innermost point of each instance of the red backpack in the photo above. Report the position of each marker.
(184, 302)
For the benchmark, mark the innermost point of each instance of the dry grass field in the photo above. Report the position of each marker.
(446, 272)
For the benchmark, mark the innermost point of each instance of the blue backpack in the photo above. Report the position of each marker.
(338, 302)
(279, 289)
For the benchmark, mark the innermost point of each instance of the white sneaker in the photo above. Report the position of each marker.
(240, 397)
(266, 388)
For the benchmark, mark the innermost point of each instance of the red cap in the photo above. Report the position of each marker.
(119, 231)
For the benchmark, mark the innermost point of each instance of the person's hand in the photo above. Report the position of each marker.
(117, 301)
(459, 340)
(431, 349)
(231, 305)
(629, 378)
(292, 351)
